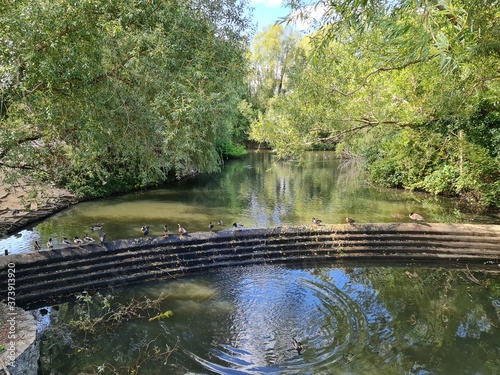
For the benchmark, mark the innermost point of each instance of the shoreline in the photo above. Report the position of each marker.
(24, 204)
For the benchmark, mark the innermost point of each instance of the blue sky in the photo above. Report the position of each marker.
(267, 12)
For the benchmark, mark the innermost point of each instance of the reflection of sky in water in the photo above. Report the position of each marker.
(272, 305)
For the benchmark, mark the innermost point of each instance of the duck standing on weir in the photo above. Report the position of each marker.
(416, 217)
(182, 231)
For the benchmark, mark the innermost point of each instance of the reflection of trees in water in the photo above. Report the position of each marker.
(438, 316)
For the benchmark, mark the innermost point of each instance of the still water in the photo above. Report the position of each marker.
(255, 191)
(350, 320)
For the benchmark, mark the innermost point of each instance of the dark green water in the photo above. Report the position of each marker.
(350, 320)
(255, 191)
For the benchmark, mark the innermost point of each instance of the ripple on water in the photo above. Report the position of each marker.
(271, 307)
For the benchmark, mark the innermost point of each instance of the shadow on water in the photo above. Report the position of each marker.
(256, 191)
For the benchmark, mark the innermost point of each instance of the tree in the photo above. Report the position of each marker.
(108, 97)
(272, 56)
(375, 69)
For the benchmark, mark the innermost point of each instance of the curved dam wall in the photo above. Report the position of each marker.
(48, 275)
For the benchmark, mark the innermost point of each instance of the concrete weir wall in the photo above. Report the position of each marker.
(45, 275)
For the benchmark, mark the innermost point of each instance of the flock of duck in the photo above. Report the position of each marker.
(77, 241)
(86, 240)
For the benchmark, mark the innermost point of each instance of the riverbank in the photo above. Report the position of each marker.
(25, 203)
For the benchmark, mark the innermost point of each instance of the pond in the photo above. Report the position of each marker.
(255, 191)
(352, 319)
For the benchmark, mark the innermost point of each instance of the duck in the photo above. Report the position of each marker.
(182, 231)
(6, 252)
(416, 217)
(317, 221)
(145, 230)
(88, 239)
(297, 345)
(50, 244)
(36, 246)
(96, 227)
(102, 237)
(211, 226)
(77, 241)
(66, 242)
(349, 220)
(166, 231)
(220, 223)
(238, 226)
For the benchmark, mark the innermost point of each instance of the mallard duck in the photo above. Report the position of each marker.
(36, 246)
(166, 231)
(96, 227)
(297, 345)
(88, 239)
(238, 226)
(317, 221)
(102, 237)
(77, 241)
(220, 223)
(66, 242)
(182, 231)
(50, 244)
(211, 226)
(349, 220)
(145, 230)
(416, 217)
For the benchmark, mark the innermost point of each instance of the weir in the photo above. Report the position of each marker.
(46, 276)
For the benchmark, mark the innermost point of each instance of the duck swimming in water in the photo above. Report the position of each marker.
(96, 227)
(297, 345)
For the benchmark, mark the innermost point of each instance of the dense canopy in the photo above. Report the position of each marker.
(104, 96)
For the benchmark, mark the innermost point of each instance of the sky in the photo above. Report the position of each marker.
(267, 12)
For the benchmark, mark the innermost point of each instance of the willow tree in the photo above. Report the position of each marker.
(107, 96)
(272, 55)
(407, 84)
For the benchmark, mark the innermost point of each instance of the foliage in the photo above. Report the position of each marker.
(92, 317)
(101, 98)
(412, 87)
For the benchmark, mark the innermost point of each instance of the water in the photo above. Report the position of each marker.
(255, 191)
(350, 320)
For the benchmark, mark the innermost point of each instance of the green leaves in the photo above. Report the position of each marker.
(119, 95)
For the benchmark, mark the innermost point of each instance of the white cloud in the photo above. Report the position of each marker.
(312, 12)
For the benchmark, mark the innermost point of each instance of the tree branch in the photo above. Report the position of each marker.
(376, 71)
